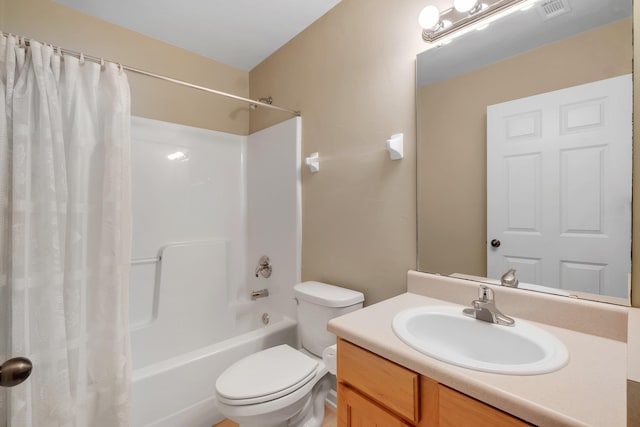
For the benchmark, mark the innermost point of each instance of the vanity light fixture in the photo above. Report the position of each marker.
(464, 15)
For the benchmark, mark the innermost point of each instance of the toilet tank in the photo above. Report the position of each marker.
(317, 304)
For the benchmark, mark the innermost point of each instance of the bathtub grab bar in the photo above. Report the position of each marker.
(140, 261)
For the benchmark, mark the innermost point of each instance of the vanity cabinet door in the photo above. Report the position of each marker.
(395, 387)
(459, 410)
(355, 410)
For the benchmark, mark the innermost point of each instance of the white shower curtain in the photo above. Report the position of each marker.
(65, 230)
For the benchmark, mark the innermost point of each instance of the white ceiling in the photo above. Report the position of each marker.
(241, 33)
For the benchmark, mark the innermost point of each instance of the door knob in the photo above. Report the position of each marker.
(495, 243)
(14, 371)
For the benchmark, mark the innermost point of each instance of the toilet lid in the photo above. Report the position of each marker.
(262, 375)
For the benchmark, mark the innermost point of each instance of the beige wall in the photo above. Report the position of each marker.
(50, 22)
(452, 143)
(352, 74)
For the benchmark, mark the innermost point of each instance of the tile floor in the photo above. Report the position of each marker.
(330, 419)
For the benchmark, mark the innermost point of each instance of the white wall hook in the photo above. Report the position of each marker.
(395, 146)
(313, 162)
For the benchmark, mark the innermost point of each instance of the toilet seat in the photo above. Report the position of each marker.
(265, 376)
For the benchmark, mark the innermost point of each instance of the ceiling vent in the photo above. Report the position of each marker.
(553, 8)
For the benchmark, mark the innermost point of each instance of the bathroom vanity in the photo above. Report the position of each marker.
(382, 381)
(375, 391)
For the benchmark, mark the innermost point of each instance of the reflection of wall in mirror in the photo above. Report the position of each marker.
(452, 137)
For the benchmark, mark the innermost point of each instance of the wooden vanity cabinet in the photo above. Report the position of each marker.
(375, 392)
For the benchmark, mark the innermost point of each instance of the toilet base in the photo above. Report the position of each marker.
(312, 414)
(308, 412)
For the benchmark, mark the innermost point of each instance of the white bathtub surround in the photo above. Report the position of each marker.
(196, 198)
(274, 213)
(64, 237)
(207, 205)
(193, 292)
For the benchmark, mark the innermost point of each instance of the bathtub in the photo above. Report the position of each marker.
(180, 391)
(187, 328)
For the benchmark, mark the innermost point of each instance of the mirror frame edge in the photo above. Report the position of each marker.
(635, 242)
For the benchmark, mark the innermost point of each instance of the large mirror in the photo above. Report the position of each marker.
(524, 150)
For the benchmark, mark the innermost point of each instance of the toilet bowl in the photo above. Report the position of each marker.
(269, 388)
(282, 386)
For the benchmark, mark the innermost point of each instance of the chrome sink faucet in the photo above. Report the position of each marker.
(484, 308)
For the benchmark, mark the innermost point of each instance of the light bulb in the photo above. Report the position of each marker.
(464, 5)
(429, 17)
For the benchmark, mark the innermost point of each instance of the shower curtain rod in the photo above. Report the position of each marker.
(99, 60)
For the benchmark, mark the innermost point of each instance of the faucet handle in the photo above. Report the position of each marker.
(485, 294)
(264, 267)
(509, 278)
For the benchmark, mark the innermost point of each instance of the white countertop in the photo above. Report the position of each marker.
(589, 391)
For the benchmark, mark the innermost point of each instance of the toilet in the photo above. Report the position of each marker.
(282, 386)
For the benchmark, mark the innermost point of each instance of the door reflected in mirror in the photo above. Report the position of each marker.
(524, 151)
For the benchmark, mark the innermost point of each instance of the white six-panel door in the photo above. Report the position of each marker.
(559, 187)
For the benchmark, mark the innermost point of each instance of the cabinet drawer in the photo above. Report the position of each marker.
(389, 384)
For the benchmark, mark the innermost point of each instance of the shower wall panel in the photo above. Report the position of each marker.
(188, 207)
(274, 210)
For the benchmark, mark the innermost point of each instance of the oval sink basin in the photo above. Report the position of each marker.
(444, 333)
